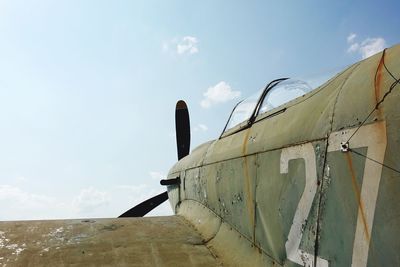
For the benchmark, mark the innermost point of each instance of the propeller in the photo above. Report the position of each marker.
(182, 128)
(146, 206)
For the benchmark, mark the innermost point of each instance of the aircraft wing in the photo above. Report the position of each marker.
(150, 241)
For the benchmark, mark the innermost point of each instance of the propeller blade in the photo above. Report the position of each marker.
(146, 206)
(182, 127)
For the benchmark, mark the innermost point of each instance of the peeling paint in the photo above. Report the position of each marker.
(15, 248)
(171, 237)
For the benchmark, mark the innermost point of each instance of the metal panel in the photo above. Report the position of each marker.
(157, 241)
(359, 208)
(236, 194)
(211, 175)
(287, 202)
(339, 207)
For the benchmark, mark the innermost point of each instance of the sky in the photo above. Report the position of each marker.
(88, 88)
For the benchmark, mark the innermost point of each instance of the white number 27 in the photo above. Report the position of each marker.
(372, 136)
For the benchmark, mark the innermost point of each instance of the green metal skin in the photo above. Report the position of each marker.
(282, 193)
(149, 241)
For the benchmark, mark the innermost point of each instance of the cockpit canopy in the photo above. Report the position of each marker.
(274, 95)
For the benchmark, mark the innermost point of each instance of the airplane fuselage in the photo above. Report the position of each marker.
(312, 182)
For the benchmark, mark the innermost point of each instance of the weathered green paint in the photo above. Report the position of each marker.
(238, 181)
(340, 203)
(157, 241)
(276, 209)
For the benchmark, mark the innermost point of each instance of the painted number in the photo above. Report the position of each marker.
(293, 252)
(373, 137)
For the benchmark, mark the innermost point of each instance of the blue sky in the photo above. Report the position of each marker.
(88, 88)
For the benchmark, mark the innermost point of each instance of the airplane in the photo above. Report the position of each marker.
(298, 177)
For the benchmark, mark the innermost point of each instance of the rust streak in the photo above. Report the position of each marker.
(378, 80)
(358, 195)
(378, 84)
(245, 141)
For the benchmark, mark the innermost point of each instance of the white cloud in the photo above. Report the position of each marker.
(89, 200)
(371, 46)
(353, 48)
(185, 45)
(351, 37)
(366, 48)
(19, 204)
(201, 127)
(16, 195)
(219, 93)
(188, 45)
